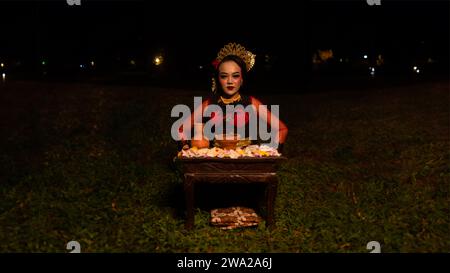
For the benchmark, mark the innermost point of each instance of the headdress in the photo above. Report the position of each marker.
(237, 50)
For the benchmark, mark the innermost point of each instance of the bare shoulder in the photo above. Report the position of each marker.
(206, 102)
(255, 101)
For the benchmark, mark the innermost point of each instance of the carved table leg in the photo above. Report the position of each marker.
(189, 196)
(271, 194)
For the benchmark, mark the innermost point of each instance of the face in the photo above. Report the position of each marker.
(230, 77)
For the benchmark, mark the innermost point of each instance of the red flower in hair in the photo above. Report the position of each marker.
(215, 63)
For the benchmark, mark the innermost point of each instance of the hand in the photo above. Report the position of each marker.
(182, 145)
(280, 147)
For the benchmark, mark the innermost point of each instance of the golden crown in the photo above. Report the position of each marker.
(238, 50)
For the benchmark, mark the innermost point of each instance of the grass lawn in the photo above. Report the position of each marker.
(94, 164)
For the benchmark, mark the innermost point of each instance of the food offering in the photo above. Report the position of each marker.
(239, 152)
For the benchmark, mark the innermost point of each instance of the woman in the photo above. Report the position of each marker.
(231, 67)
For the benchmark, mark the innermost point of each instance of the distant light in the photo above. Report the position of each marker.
(365, 56)
(373, 69)
(325, 55)
(340, 60)
(81, 65)
(158, 60)
(418, 71)
(43, 62)
(132, 62)
(380, 60)
(92, 63)
(2, 65)
(415, 67)
(3, 77)
(200, 67)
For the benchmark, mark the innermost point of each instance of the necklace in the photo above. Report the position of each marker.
(236, 97)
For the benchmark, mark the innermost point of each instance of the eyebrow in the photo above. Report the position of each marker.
(225, 73)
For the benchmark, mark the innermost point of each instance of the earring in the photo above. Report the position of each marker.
(213, 86)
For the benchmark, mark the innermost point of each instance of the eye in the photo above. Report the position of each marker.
(236, 76)
(223, 76)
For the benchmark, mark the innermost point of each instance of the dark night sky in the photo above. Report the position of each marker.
(193, 32)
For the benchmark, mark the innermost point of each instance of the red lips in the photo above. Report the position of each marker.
(230, 88)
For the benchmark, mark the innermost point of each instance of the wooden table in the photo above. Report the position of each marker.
(227, 170)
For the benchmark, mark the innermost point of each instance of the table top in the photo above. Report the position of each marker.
(243, 159)
(268, 164)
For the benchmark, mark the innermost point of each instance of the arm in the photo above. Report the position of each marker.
(186, 128)
(270, 118)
